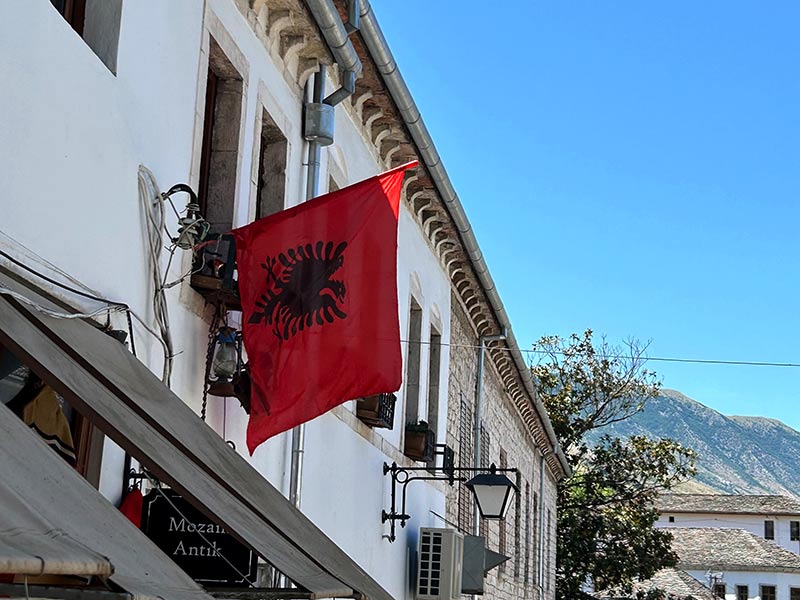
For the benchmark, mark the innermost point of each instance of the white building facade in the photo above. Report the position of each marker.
(736, 564)
(775, 518)
(212, 94)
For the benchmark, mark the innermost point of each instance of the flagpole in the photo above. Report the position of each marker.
(312, 189)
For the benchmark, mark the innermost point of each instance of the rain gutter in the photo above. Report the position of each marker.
(382, 56)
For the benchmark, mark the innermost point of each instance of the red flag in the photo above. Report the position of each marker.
(318, 284)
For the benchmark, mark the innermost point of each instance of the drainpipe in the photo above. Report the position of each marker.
(336, 36)
(540, 550)
(318, 131)
(396, 85)
(476, 444)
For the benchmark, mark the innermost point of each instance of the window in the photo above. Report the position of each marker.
(672, 519)
(719, 590)
(535, 539)
(517, 525)
(73, 11)
(794, 593)
(768, 592)
(502, 522)
(742, 592)
(526, 577)
(220, 150)
(50, 416)
(769, 530)
(413, 362)
(794, 530)
(97, 22)
(465, 433)
(434, 360)
(548, 549)
(485, 440)
(271, 178)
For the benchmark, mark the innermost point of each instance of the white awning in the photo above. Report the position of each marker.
(33, 550)
(99, 377)
(53, 522)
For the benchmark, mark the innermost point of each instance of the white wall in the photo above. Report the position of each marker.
(752, 579)
(752, 523)
(74, 136)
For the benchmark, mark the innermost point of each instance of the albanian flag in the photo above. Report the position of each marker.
(318, 284)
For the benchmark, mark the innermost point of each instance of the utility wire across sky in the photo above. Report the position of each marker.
(701, 361)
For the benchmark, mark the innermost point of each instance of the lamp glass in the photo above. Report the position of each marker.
(226, 357)
(492, 493)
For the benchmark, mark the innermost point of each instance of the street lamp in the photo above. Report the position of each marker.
(492, 493)
(492, 490)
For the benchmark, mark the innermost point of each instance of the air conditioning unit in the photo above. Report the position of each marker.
(440, 557)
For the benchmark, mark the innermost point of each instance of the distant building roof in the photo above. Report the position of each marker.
(703, 548)
(674, 582)
(727, 503)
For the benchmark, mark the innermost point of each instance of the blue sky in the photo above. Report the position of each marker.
(630, 167)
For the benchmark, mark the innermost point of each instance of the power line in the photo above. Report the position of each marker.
(701, 361)
(529, 352)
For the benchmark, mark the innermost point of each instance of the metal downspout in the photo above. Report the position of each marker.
(312, 189)
(478, 451)
(382, 56)
(476, 513)
(540, 550)
(336, 36)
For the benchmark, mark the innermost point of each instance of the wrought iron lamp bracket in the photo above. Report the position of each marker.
(404, 475)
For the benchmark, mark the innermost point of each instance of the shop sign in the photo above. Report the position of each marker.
(205, 550)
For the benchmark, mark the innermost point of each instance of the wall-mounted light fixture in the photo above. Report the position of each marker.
(492, 489)
(492, 493)
(226, 361)
(192, 227)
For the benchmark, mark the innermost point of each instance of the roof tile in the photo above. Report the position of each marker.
(728, 503)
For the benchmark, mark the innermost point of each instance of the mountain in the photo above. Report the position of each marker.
(736, 455)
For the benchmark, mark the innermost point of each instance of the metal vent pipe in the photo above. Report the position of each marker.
(336, 36)
(382, 56)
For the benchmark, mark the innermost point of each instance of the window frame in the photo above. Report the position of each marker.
(774, 594)
(87, 438)
(769, 529)
(740, 589)
(413, 370)
(74, 13)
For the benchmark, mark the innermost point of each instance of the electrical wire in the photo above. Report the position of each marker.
(94, 295)
(529, 352)
(58, 283)
(56, 314)
(643, 358)
(153, 205)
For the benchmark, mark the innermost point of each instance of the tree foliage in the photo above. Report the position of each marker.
(605, 510)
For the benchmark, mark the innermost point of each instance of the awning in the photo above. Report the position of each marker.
(98, 376)
(52, 522)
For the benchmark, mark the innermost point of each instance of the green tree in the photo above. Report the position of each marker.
(605, 510)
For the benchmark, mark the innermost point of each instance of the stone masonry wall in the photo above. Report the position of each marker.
(520, 576)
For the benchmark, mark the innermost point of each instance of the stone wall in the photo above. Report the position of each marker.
(526, 574)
